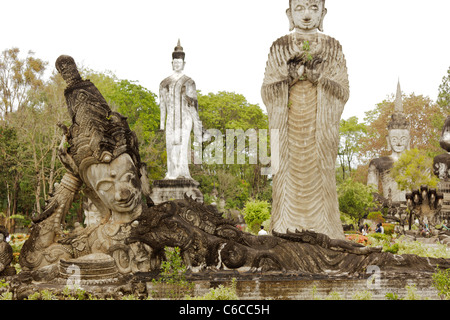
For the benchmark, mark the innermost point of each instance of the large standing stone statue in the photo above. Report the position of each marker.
(398, 141)
(179, 116)
(305, 89)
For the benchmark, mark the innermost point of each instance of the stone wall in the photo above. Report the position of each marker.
(308, 289)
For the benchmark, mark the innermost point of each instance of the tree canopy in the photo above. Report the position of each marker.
(351, 131)
(355, 199)
(443, 99)
(238, 182)
(413, 169)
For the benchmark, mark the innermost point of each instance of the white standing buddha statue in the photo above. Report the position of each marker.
(179, 115)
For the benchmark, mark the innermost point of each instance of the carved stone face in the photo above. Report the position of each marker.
(117, 184)
(306, 15)
(178, 65)
(398, 140)
(67, 68)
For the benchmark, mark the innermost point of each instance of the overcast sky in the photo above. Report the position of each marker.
(227, 42)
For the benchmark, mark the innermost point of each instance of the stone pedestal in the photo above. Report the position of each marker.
(96, 268)
(168, 189)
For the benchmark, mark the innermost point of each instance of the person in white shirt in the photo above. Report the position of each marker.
(262, 232)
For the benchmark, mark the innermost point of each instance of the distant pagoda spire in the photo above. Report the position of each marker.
(398, 100)
(398, 118)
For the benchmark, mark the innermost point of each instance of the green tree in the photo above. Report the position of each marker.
(355, 199)
(229, 110)
(224, 111)
(413, 169)
(255, 213)
(139, 105)
(18, 77)
(10, 175)
(350, 133)
(444, 93)
(21, 85)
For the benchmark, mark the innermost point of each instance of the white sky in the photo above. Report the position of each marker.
(227, 42)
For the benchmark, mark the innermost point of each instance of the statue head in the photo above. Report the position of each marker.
(178, 56)
(306, 15)
(118, 186)
(102, 151)
(67, 67)
(398, 138)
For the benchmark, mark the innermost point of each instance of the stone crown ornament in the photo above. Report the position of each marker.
(398, 118)
(97, 134)
(398, 121)
(178, 52)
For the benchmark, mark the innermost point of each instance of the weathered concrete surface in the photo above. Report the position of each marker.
(257, 286)
(292, 287)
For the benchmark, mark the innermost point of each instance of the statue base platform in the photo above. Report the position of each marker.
(173, 189)
(265, 286)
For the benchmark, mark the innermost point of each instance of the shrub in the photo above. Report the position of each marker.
(172, 280)
(422, 250)
(413, 169)
(376, 217)
(172, 269)
(441, 281)
(42, 295)
(5, 293)
(388, 228)
(334, 296)
(219, 293)
(392, 296)
(379, 239)
(364, 295)
(392, 249)
(355, 199)
(358, 238)
(255, 213)
(412, 293)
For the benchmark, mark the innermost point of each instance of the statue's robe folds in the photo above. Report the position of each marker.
(179, 111)
(307, 118)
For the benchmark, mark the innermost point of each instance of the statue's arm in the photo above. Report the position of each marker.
(275, 87)
(329, 70)
(191, 94)
(337, 89)
(162, 107)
